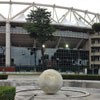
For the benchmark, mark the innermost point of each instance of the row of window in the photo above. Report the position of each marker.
(95, 49)
(65, 57)
(16, 30)
(95, 41)
(95, 58)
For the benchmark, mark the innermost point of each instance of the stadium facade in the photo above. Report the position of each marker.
(73, 28)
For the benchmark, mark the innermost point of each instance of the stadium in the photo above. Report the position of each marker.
(70, 51)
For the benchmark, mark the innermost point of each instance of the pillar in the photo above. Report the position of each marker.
(7, 53)
(99, 71)
(85, 70)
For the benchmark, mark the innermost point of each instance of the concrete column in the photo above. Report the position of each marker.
(85, 70)
(90, 51)
(99, 71)
(7, 54)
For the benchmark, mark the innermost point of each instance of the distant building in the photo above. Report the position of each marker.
(72, 35)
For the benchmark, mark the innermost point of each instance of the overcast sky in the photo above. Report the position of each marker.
(90, 5)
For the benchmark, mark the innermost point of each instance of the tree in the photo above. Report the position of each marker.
(96, 27)
(39, 27)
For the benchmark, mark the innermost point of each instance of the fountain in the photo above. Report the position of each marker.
(49, 87)
(50, 81)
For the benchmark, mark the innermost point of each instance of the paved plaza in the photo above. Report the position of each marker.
(27, 89)
(27, 93)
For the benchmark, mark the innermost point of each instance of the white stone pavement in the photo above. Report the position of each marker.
(27, 89)
(32, 94)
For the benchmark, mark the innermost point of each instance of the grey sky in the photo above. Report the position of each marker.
(90, 5)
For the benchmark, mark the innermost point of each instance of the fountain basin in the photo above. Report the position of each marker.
(35, 93)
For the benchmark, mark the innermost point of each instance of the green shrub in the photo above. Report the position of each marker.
(7, 93)
(3, 76)
(81, 77)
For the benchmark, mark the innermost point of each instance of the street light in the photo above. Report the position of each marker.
(67, 46)
(43, 49)
(34, 51)
(43, 46)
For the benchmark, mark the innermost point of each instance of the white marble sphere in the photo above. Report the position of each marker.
(50, 81)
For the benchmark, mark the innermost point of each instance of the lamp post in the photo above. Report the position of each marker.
(43, 49)
(35, 55)
(33, 51)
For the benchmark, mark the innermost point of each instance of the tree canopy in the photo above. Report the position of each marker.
(96, 27)
(39, 25)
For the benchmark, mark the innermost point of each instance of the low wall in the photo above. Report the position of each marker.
(5, 69)
(66, 83)
(82, 83)
(18, 83)
(6, 83)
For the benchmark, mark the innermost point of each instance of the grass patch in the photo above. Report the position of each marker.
(7, 93)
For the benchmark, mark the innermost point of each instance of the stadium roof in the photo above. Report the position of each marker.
(63, 16)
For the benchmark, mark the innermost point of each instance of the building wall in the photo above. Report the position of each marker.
(22, 56)
(95, 51)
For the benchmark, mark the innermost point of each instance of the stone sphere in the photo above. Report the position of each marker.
(50, 81)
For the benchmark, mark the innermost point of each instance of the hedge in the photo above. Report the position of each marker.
(81, 77)
(7, 93)
(3, 76)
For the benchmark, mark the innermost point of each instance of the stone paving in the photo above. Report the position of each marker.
(94, 94)
(26, 89)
